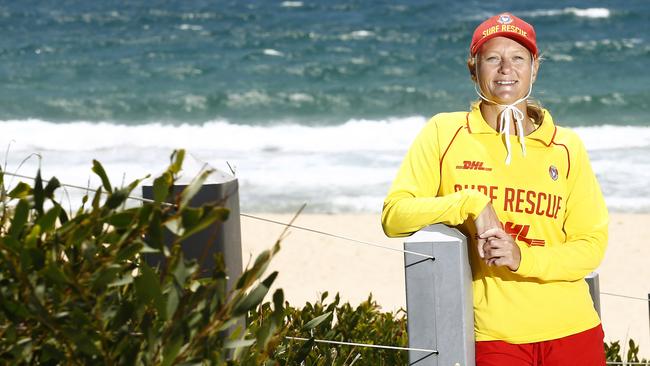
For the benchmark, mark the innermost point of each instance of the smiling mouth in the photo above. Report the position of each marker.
(506, 82)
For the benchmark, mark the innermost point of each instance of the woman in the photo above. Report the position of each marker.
(524, 192)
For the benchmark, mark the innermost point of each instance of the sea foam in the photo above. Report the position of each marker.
(341, 168)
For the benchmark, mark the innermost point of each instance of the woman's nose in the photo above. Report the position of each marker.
(505, 66)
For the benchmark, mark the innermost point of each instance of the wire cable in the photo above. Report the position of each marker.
(335, 236)
(365, 345)
(87, 189)
(625, 296)
(285, 224)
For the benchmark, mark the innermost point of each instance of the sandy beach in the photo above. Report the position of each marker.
(310, 264)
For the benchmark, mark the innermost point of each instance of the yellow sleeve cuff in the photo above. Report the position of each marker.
(474, 204)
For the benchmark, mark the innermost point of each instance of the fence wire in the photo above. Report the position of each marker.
(366, 345)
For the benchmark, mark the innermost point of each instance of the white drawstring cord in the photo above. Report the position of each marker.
(505, 119)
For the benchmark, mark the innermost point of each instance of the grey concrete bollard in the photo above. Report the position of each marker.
(594, 290)
(439, 298)
(223, 237)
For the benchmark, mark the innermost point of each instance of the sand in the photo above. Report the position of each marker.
(310, 264)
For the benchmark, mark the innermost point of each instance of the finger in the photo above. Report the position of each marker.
(481, 243)
(506, 262)
(498, 261)
(491, 253)
(500, 253)
(487, 251)
(498, 233)
(492, 244)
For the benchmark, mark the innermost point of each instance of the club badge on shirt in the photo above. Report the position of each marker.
(552, 171)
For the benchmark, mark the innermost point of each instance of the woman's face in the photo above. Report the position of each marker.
(505, 70)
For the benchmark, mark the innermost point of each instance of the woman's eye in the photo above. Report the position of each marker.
(518, 59)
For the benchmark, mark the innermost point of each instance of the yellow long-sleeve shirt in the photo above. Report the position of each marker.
(549, 201)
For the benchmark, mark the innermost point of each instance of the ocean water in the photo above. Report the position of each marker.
(308, 101)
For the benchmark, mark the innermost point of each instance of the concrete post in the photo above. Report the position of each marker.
(223, 237)
(594, 290)
(439, 298)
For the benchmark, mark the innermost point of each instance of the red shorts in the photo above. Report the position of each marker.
(581, 349)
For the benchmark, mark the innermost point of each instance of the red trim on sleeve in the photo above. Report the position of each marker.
(447, 149)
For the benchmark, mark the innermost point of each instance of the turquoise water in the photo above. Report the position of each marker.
(312, 101)
(320, 62)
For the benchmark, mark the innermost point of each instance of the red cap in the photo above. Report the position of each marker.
(504, 25)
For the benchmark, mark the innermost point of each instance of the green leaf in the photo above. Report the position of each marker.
(175, 225)
(39, 196)
(32, 237)
(181, 272)
(122, 219)
(253, 298)
(261, 263)
(191, 216)
(20, 218)
(15, 309)
(10, 243)
(63, 216)
(193, 188)
(54, 274)
(21, 190)
(127, 279)
(99, 170)
(177, 158)
(317, 320)
(154, 237)
(104, 276)
(264, 333)
(278, 303)
(47, 221)
(116, 198)
(238, 343)
(303, 352)
(148, 290)
(172, 302)
(125, 313)
(51, 186)
(171, 350)
(210, 216)
(97, 198)
(161, 187)
(128, 251)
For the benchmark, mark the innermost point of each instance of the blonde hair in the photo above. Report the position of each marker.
(534, 108)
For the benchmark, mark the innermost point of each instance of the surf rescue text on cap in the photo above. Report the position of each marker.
(505, 25)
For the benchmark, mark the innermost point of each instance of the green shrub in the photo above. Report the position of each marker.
(74, 290)
(613, 353)
(334, 321)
